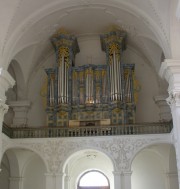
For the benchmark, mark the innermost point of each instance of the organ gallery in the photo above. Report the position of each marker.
(90, 95)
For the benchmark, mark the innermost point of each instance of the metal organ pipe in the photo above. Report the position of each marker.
(59, 84)
(112, 84)
(110, 81)
(67, 83)
(92, 89)
(88, 95)
(62, 79)
(87, 88)
(120, 82)
(51, 92)
(117, 70)
(115, 76)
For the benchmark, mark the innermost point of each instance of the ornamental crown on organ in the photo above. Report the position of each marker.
(90, 94)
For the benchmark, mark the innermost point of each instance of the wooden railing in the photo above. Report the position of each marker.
(49, 132)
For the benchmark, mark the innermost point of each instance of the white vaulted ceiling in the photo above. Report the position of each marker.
(31, 23)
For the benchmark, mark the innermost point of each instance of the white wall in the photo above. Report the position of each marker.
(146, 109)
(37, 113)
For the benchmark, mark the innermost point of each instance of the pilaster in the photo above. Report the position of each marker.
(20, 109)
(126, 180)
(170, 70)
(54, 180)
(50, 181)
(60, 180)
(117, 180)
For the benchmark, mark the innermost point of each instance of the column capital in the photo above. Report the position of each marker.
(6, 82)
(16, 179)
(170, 70)
(117, 173)
(174, 99)
(127, 173)
(171, 174)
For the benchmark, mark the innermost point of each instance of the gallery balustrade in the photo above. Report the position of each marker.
(50, 132)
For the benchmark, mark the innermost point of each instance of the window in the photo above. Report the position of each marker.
(93, 179)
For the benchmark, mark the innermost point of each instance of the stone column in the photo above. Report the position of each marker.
(50, 181)
(126, 180)
(164, 109)
(117, 180)
(170, 70)
(6, 82)
(20, 109)
(60, 180)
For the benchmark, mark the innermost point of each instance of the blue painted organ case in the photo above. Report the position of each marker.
(89, 94)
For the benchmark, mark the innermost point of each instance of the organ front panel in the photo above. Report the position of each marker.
(90, 93)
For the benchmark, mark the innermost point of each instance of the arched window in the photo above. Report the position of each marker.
(93, 180)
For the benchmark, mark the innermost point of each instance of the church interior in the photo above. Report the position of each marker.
(89, 94)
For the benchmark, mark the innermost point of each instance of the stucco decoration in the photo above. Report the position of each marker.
(54, 152)
(173, 99)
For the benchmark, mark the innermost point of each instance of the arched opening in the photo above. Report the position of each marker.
(155, 167)
(84, 161)
(22, 167)
(93, 180)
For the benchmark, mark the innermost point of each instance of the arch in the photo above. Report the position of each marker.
(76, 152)
(54, 7)
(34, 170)
(148, 146)
(151, 165)
(81, 160)
(19, 77)
(13, 161)
(22, 147)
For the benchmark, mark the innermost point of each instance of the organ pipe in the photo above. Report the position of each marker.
(115, 76)
(51, 92)
(67, 84)
(62, 79)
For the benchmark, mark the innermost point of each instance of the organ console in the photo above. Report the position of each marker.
(90, 94)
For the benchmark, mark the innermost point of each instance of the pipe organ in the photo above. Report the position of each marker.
(90, 94)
